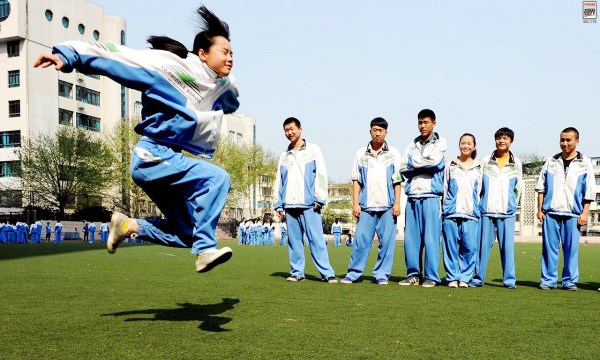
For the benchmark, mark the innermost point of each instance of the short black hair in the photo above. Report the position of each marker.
(504, 131)
(292, 120)
(379, 121)
(426, 113)
(573, 130)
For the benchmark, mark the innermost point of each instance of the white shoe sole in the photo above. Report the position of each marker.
(219, 257)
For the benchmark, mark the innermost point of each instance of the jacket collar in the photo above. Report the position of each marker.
(511, 157)
(433, 137)
(303, 147)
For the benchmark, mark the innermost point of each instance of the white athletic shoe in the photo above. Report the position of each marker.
(463, 284)
(453, 284)
(211, 258)
(119, 224)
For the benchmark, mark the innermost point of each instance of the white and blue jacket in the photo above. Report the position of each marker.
(423, 167)
(301, 179)
(180, 97)
(376, 176)
(462, 189)
(501, 189)
(564, 194)
(336, 228)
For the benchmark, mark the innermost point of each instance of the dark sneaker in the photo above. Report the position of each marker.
(411, 280)
(331, 280)
(510, 286)
(212, 257)
(428, 283)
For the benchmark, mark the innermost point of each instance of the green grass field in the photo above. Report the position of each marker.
(74, 301)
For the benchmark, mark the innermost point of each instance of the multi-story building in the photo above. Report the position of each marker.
(38, 101)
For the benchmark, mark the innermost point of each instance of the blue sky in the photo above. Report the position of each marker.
(336, 64)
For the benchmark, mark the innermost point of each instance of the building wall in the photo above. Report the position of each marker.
(38, 90)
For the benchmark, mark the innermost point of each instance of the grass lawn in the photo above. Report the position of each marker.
(74, 301)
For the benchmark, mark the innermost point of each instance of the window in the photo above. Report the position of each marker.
(137, 109)
(4, 9)
(87, 96)
(65, 89)
(12, 48)
(81, 28)
(14, 78)
(11, 198)
(597, 199)
(96, 35)
(239, 139)
(10, 139)
(49, 15)
(231, 136)
(14, 108)
(10, 168)
(65, 22)
(123, 102)
(122, 37)
(65, 117)
(597, 180)
(88, 122)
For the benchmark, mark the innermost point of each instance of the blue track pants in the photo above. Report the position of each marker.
(423, 231)
(369, 223)
(461, 237)
(309, 222)
(504, 228)
(190, 193)
(563, 230)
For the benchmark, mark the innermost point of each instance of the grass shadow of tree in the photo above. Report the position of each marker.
(205, 314)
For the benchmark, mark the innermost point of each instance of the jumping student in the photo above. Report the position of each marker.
(184, 97)
(460, 213)
(376, 204)
(301, 191)
(565, 190)
(423, 168)
(501, 188)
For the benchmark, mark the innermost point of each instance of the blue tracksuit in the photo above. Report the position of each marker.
(500, 193)
(92, 230)
(336, 231)
(565, 192)
(460, 225)
(58, 233)
(183, 104)
(104, 232)
(376, 175)
(301, 183)
(423, 168)
(283, 230)
(241, 233)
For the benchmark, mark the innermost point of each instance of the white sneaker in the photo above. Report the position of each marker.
(119, 224)
(453, 284)
(211, 258)
(463, 284)
(331, 280)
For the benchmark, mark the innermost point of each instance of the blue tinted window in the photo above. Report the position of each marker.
(65, 22)
(49, 15)
(81, 28)
(4, 9)
(96, 35)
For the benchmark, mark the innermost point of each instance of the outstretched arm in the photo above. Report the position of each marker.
(46, 60)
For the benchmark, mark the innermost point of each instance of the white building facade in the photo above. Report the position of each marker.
(38, 101)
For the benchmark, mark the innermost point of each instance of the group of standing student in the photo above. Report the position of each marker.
(256, 232)
(468, 202)
(184, 96)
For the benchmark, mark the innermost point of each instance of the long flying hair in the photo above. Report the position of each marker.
(210, 26)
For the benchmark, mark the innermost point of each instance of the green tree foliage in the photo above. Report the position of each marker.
(248, 166)
(130, 198)
(65, 168)
(532, 162)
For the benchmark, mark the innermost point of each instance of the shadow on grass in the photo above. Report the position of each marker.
(18, 251)
(284, 275)
(187, 312)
